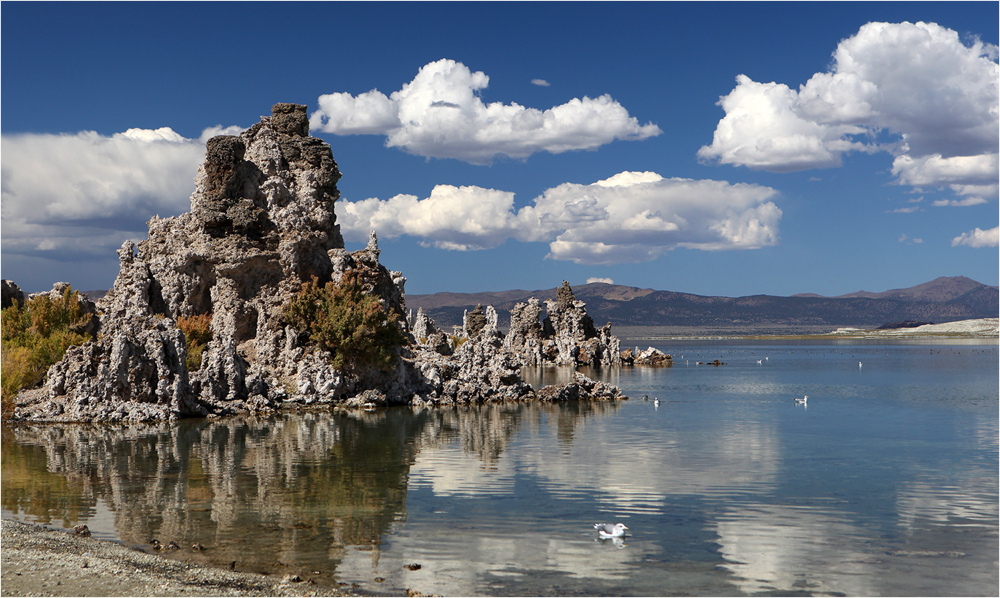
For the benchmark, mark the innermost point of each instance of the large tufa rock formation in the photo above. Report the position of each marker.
(261, 223)
(567, 335)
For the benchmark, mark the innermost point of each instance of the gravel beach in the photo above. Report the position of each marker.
(42, 562)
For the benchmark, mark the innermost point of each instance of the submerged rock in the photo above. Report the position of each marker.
(649, 356)
(582, 388)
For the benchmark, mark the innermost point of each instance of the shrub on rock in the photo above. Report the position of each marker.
(353, 326)
(197, 331)
(35, 336)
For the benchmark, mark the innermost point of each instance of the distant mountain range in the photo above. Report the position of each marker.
(944, 299)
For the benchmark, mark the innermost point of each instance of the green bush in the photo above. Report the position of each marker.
(354, 327)
(34, 337)
(198, 331)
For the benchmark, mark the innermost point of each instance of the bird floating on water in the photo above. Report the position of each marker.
(656, 402)
(803, 400)
(606, 530)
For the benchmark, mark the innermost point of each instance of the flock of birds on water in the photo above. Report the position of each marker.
(803, 400)
(616, 532)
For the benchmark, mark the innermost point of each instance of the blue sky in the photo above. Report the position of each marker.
(514, 145)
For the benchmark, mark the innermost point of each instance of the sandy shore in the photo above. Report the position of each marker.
(41, 562)
(982, 328)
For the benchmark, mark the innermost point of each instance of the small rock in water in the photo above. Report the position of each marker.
(81, 530)
(412, 566)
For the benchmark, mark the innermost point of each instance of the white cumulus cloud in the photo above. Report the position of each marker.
(601, 280)
(67, 197)
(630, 217)
(762, 129)
(917, 82)
(935, 170)
(440, 114)
(978, 238)
(460, 218)
(369, 113)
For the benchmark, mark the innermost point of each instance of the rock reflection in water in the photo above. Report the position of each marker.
(254, 491)
(289, 494)
(486, 430)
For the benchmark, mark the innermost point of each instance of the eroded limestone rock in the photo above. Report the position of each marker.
(581, 389)
(261, 224)
(650, 356)
(567, 335)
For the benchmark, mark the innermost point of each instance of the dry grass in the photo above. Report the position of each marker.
(34, 337)
(198, 331)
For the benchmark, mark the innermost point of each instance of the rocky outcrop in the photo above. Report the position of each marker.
(423, 327)
(581, 388)
(11, 294)
(566, 336)
(479, 370)
(261, 224)
(650, 356)
(427, 335)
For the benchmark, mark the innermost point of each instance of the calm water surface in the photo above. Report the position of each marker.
(885, 484)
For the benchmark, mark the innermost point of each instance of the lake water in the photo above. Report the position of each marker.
(885, 483)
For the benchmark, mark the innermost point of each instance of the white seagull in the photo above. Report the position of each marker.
(606, 530)
(803, 400)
